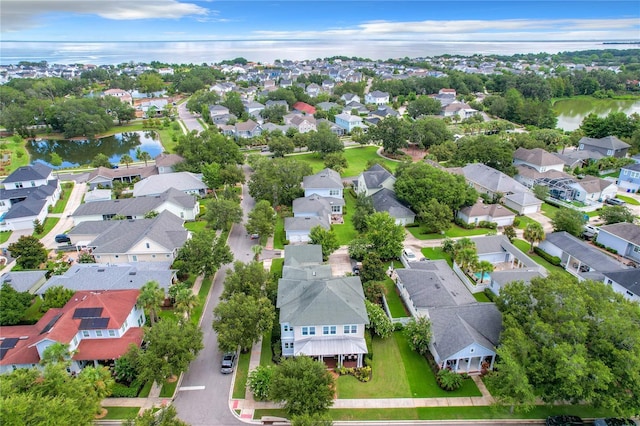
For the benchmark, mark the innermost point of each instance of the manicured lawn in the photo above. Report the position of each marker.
(196, 226)
(62, 202)
(525, 246)
(166, 138)
(435, 253)
(481, 297)
(265, 350)
(276, 266)
(548, 210)
(49, 223)
(524, 221)
(346, 232)
(393, 300)
(207, 282)
(279, 235)
(411, 378)
(453, 232)
(4, 236)
(242, 371)
(146, 390)
(168, 389)
(357, 159)
(628, 200)
(121, 413)
(33, 314)
(19, 155)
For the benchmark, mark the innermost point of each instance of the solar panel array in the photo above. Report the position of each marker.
(50, 324)
(93, 323)
(6, 344)
(87, 313)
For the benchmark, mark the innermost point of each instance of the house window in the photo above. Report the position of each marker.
(308, 331)
(99, 333)
(334, 192)
(287, 327)
(629, 293)
(609, 281)
(116, 256)
(33, 183)
(288, 345)
(85, 333)
(472, 350)
(112, 333)
(134, 258)
(609, 152)
(148, 246)
(329, 329)
(581, 146)
(75, 341)
(350, 329)
(625, 172)
(335, 209)
(635, 175)
(18, 184)
(636, 249)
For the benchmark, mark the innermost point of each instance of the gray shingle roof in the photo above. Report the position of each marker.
(629, 279)
(324, 179)
(157, 184)
(582, 251)
(305, 223)
(375, 176)
(608, 142)
(385, 201)
(492, 179)
(167, 160)
(627, 231)
(136, 206)
(316, 204)
(36, 192)
(27, 208)
(36, 171)
(537, 156)
(302, 255)
(23, 280)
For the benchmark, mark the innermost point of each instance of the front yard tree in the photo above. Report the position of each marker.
(222, 213)
(577, 342)
(364, 208)
(533, 233)
(336, 161)
(418, 332)
(242, 320)
(391, 133)
(304, 386)
(167, 416)
(372, 268)
(281, 146)
(359, 247)
(278, 181)
(248, 278)
(569, 220)
(28, 251)
(171, 346)
(56, 297)
(424, 105)
(435, 215)
(616, 214)
(324, 141)
(379, 322)
(185, 302)
(262, 220)
(13, 304)
(326, 239)
(150, 298)
(385, 236)
(204, 253)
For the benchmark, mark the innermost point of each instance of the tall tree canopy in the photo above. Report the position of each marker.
(278, 181)
(207, 147)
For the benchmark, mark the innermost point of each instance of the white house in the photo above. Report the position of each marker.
(325, 183)
(374, 179)
(376, 97)
(538, 159)
(481, 212)
(347, 121)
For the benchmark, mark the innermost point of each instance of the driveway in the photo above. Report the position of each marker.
(340, 262)
(190, 121)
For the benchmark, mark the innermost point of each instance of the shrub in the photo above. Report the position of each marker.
(276, 348)
(448, 380)
(490, 294)
(259, 382)
(367, 339)
(554, 260)
(516, 222)
(398, 326)
(123, 391)
(487, 225)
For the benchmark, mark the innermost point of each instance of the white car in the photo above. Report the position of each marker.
(409, 255)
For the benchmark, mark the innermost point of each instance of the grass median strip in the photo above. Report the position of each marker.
(242, 371)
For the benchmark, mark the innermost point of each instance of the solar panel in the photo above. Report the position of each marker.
(50, 324)
(93, 323)
(3, 352)
(9, 342)
(87, 313)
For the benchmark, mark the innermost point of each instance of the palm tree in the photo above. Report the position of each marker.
(467, 258)
(484, 267)
(126, 159)
(101, 380)
(151, 296)
(142, 156)
(256, 249)
(185, 302)
(534, 233)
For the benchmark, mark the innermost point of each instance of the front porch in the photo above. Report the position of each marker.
(470, 365)
(347, 361)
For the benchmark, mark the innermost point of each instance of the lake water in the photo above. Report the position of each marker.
(81, 152)
(571, 112)
(213, 51)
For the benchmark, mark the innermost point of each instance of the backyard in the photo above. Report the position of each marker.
(357, 159)
(421, 233)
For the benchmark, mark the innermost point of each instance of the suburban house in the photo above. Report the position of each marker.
(353, 105)
(625, 282)
(121, 276)
(315, 205)
(578, 257)
(166, 162)
(350, 97)
(538, 159)
(247, 129)
(481, 212)
(187, 182)
(629, 178)
(22, 281)
(27, 195)
(459, 109)
(220, 114)
(297, 229)
(373, 180)
(185, 206)
(348, 122)
(384, 111)
(591, 189)
(98, 326)
(321, 316)
(303, 123)
(325, 183)
(609, 146)
(253, 108)
(304, 107)
(623, 237)
(97, 195)
(376, 97)
(125, 241)
(103, 177)
(465, 332)
(385, 200)
(523, 203)
(335, 129)
(122, 95)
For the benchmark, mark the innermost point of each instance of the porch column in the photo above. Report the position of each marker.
(340, 359)
(468, 364)
(457, 364)
(95, 363)
(359, 364)
(480, 363)
(493, 358)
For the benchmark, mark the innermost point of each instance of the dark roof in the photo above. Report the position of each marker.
(375, 176)
(634, 167)
(385, 201)
(36, 192)
(582, 251)
(629, 279)
(36, 171)
(302, 255)
(608, 142)
(26, 208)
(624, 230)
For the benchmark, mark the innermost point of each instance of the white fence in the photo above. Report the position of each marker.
(473, 288)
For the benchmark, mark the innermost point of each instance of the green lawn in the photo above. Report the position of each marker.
(196, 226)
(146, 390)
(121, 413)
(168, 389)
(19, 155)
(524, 221)
(628, 200)
(64, 198)
(49, 223)
(481, 297)
(4, 236)
(435, 253)
(548, 210)
(412, 378)
(242, 371)
(33, 314)
(279, 236)
(524, 246)
(207, 282)
(454, 231)
(265, 350)
(357, 159)
(393, 300)
(346, 232)
(276, 266)
(166, 138)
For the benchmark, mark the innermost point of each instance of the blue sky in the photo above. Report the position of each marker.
(164, 20)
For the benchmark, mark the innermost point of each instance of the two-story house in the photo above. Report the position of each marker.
(538, 159)
(373, 180)
(165, 163)
(376, 97)
(187, 182)
(609, 146)
(325, 183)
(348, 121)
(350, 97)
(97, 326)
(27, 195)
(629, 178)
(321, 316)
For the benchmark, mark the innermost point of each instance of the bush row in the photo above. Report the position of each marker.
(123, 391)
(554, 260)
(602, 246)
(362, 373)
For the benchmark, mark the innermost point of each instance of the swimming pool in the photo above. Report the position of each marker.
(478, 275)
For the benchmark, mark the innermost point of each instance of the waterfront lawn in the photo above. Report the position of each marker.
(242, 371)
(18, 154)
(357, 159)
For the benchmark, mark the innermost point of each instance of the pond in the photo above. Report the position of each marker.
(81, 152)
(571, 112)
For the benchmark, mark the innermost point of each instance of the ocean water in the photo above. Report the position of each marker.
(267, 51)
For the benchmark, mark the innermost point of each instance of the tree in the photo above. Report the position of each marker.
(373, 291)
(484, 267)
(143, 156)
(533, 233)
(359, 247)
(278, 181)
(234, 103)
(616, 214)
(364, 208)
(206, 147)
(541, 192)
(185, 302)
(326, 239)
(151, 297)
(281, 146)
(38, 227)
(569, 220)
(418, 332)
(489, 150)
(56, 297)
(211, 175)
(101, 160)
(262, 220)
(241, 320)
(385, 236)
(391, 133)
(585, 335)
(126, 368)
(510, 232)
(222, 213)
(28, 251)
(248, 278)
(126, 160)
(467, 258)
(167, 416)
(336, 161)
(55, 160)
(436, 216)
(259, 382)
(423, 105)
(99, 383)
(428, 132)
(274, 114)
(324, 141)
(171, 346)
(379, 322)
(149, 82)
(372, 268)
(204, 253)
(13, 304)
(304, 386)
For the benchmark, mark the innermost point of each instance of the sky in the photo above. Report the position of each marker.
(452, 20)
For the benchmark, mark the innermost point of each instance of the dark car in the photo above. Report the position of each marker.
(62, 238)
(613, 421)
(228, 361)
(614, 202)
(564, 420)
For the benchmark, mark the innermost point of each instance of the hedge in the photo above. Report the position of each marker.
(554, 260)
(123, 391)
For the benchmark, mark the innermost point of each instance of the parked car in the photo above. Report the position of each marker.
(409, 255)
(564, 420)
(62, 238)
(355, 267)
(615, 201)
(255, 236)
(589, 231)
(613, 421)
(228, 361)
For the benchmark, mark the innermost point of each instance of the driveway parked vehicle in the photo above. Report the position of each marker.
(62, 238)
(615, 201)
(228, 361)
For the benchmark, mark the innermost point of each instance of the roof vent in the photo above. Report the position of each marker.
(132, 273)
(101, 270)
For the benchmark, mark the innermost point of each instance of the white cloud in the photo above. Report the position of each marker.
(22, 14)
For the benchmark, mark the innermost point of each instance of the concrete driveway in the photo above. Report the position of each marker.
(340, 262)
